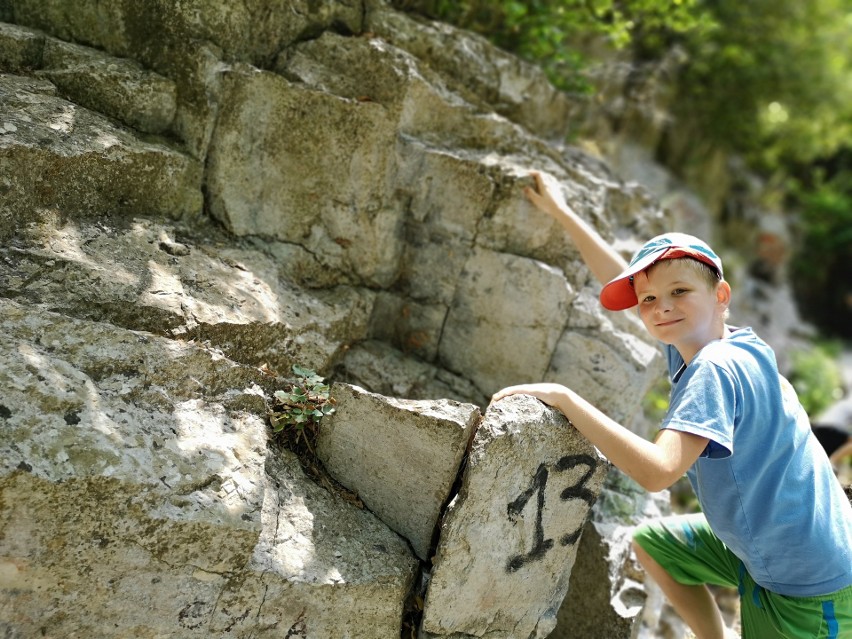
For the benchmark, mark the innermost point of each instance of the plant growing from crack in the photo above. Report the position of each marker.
(294, 414)
(297, 409)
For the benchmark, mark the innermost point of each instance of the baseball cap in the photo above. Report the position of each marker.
(618, 294)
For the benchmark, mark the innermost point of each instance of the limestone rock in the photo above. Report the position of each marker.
(401, 456)
(417, 99)
(127, 486)
(57, 155)
(480, 72)
(253, 31)
(608, 593)
(147, 275)
(509, 538)
(506, 318)
(384, 369)
(440, 231)
(324, 179)
(20, 49)
(321, 568)
(119, 88)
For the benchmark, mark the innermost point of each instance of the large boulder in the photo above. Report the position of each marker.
(509, 538)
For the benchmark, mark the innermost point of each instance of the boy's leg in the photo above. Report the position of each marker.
(694, 603)
(683, 552)
(683, 555)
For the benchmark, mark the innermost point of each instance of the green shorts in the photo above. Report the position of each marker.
(689, 551)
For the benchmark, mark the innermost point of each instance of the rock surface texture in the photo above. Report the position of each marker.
(504, 559)
(194, 197)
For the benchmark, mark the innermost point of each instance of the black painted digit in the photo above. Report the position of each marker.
(578, 490)
(540, 544)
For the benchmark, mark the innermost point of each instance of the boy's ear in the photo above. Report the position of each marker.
(723, 293)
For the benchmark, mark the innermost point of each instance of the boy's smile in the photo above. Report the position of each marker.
(679, 307)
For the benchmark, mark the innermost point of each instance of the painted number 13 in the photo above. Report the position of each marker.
(577, 490)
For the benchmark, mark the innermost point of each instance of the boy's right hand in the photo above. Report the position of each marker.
(602, 259)
(546, 196)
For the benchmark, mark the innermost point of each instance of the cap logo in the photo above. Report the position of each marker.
(664, 243)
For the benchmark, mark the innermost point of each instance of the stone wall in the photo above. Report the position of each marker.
(196, 196)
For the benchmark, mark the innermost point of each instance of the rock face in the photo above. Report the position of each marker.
(504, 558)
(401, 456)
(196, 196)
(126, 466)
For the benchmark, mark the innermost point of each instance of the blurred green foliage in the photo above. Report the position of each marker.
(549, 33)
(772, 81)
(816, 377)
(822, 268)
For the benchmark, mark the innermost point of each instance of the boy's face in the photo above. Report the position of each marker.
(679, 308)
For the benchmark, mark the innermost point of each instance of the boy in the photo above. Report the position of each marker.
(775, 523)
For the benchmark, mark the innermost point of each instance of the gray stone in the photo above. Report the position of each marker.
(20, 49)
(381, 368)
(140, 276)
(481, 73)
(506, 318)
(448, 193)
(57, 155)
(127, 486)
(115, 87)
(611, 372)
(324, 165)
(608, 596)
(321, 568)
(400, 456)
(411, 326)
(591, 610)
(509, 538)
(254, 31)
(414, 95)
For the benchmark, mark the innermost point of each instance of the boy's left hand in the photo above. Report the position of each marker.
(551, 394)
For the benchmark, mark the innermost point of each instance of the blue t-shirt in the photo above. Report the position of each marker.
(764, 482)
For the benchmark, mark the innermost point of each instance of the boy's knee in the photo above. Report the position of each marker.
(641, 554)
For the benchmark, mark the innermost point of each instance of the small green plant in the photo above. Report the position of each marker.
(298, 408)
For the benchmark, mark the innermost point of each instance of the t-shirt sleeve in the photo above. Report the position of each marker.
(704, 402)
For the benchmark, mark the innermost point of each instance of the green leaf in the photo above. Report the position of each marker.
(302, 372)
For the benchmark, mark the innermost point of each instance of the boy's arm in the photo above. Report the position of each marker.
(603, 260)
(653, 465)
